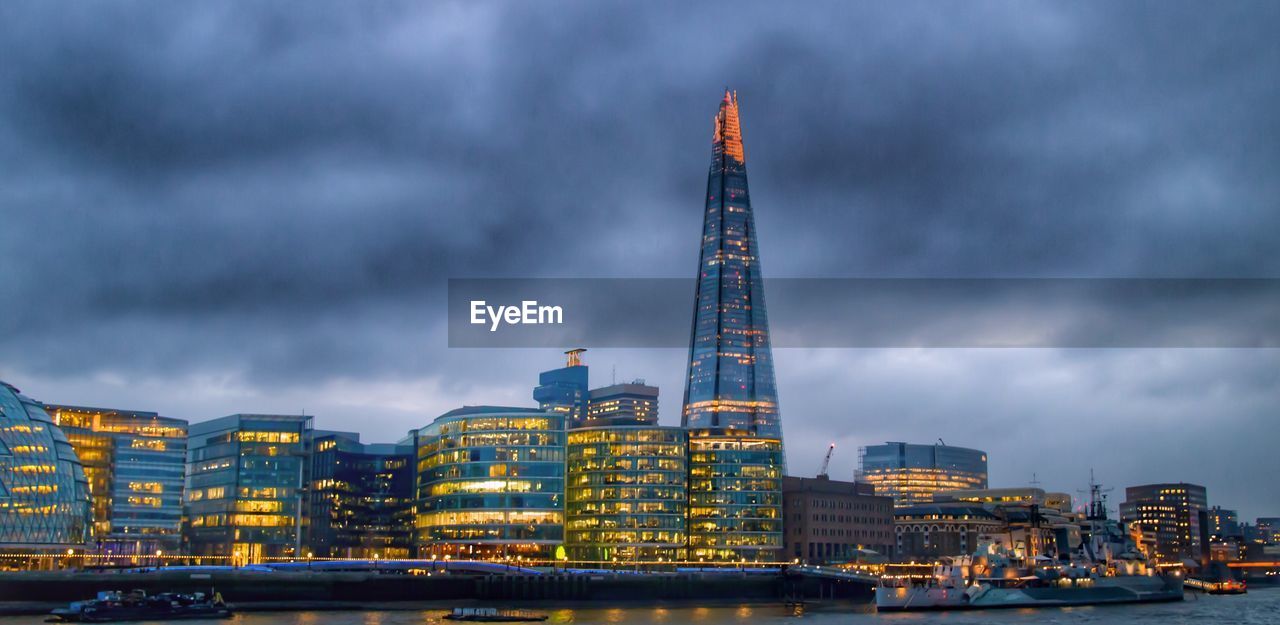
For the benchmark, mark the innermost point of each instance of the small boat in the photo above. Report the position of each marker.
(116, 607)
(494, 615)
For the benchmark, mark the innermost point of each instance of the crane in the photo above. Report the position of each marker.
(822, 474)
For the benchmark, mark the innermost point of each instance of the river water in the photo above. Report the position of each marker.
(1259, 607)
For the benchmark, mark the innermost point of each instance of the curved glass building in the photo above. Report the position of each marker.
(627, 494)
(735, 496)
(911, 474)
(44, 497)
(491, 483)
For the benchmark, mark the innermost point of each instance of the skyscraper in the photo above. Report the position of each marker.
(730, 401)
(1171, 514)
(730, 383)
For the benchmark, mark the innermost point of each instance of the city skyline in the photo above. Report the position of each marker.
(201, 251)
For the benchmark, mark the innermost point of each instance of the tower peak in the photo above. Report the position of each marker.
(727, 139)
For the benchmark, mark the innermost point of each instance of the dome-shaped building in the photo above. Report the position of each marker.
(44, 497)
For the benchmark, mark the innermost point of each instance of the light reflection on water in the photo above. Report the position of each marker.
(1259, 607)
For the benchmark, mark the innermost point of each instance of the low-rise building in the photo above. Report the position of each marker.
(135, 464)
(245, 497)
(830, 521)
(361, 499)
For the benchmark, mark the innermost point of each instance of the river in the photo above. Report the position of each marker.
(1259, 607)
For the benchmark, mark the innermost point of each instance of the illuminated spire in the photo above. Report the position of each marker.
(727, 139)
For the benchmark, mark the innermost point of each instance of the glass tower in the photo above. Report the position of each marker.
(730, 383)
(564, 390)
(730, 400)
(361, 499)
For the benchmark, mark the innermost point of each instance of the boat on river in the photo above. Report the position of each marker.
(494, 615)
(117, 607)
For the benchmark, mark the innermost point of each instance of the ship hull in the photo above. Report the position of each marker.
(1104, 591)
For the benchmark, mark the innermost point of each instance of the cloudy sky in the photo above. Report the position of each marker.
(214, 208)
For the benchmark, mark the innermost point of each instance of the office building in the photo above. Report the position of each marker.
(135, 464)
(932, 530)
(630, 403)
(1169, 513)
(730, 399)
(735, 497)
(245, 497)
(564, 390)
(911, 473)
(830, 521)
(361, 499)
(627, 494)
(44, 496)
(490, 483)
(1268, 529)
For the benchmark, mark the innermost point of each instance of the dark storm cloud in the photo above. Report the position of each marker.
(236, 207)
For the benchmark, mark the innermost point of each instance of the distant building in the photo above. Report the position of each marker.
(44, 497)
(1171, 514)
(631, 403)
(627, 494)
(361, 498)
(911, 473)
(135, 464)
(833, 521)
(1026, 496)
(564, 390)
(245, 489)
(1223, 523)
(490, 483)
(1268, 529)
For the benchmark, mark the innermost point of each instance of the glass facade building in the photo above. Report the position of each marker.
(564, 390)
(735, 496)
(135, 463)
(44, 496)
(730, 399)
(730, 384)
(490, 483)
(911, 473)
(627, 494)
(245, 486)
(361, 499)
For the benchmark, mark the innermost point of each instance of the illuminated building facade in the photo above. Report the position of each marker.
(735, 496)
(942, 529)
(245, 488)
(135, 465)
(564, 390)
(44, 497)
(1026, 496)
(833, 521)
(361, 498)
(631, 403)
(731, 383)
(490, 483)
(730, 399)
(911, 474)
(1171, 514)
(627, 494)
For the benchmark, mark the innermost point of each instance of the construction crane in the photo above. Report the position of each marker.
(822, 474)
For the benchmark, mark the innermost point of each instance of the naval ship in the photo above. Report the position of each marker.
(1099, 565)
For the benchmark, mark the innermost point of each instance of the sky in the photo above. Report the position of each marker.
(212, 208)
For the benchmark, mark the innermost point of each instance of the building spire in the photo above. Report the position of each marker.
(727, 139)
